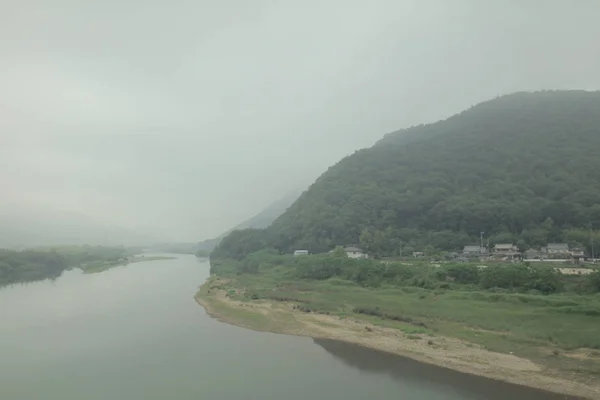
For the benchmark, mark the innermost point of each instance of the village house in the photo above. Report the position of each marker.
(555, 252)
(505, 248)
(558, 251)
(557, 248)
(474, 251)
(533, 254)
(576, 252)
(506, 251)
(355, 252)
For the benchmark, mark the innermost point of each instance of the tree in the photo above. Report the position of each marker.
(339, 252)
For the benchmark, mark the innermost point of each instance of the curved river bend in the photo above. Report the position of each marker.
(135, 332)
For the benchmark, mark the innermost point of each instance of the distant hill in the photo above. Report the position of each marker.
(259, 221)
(522, 168)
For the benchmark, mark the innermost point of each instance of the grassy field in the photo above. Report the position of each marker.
(560, 330)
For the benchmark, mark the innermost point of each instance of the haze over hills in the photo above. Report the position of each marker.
(259, 221)
(523, 168)
(54, 228)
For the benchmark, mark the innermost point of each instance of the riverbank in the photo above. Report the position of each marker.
(220, 298)
(94, 268)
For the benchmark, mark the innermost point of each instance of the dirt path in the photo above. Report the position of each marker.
(442, 351)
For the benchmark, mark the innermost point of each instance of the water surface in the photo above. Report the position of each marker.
(135, 332)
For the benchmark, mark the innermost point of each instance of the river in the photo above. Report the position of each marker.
(135, 332)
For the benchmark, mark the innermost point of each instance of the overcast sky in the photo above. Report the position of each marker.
(187, 117)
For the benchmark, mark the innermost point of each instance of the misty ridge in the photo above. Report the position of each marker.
(178, 123)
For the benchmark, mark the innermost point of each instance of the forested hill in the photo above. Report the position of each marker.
(523, 167)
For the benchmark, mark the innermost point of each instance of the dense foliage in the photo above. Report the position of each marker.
(79, 256)
(23, 266)
(538, 279)
(49, 263)
(522, 168)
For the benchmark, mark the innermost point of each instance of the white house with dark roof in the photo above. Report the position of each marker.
(355, 252)
(505, 248)
(506, 251)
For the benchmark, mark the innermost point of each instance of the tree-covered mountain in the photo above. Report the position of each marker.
(259, 221)
(523, 167)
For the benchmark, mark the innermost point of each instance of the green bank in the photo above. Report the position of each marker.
(530, 311)
(50, 262)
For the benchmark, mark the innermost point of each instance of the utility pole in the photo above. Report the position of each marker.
(592, 239)
(481, 238)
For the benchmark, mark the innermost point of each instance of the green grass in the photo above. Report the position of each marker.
(246, 317)
(100, 266)
(528, 325)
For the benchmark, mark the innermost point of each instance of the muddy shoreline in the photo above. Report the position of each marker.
(439, 351)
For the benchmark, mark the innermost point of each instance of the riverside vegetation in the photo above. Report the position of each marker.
(529, 311)
(50, 262)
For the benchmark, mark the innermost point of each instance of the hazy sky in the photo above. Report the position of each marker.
(190, 116)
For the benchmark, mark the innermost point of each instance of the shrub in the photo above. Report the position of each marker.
(467, 274)
(594, 281)
(521, 277)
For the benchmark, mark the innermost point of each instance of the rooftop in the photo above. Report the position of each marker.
(472, 248)
(352, 249)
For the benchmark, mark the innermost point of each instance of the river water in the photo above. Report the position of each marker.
(135, 332)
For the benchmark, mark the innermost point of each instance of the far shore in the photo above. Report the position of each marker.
(103, 266)
(462, 356)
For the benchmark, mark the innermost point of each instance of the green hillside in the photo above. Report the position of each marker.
(523, 167)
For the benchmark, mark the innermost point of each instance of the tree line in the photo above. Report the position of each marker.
(524, 278)
(49, 263)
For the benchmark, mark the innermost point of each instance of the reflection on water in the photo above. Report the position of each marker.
(405, 369)
(136, 333)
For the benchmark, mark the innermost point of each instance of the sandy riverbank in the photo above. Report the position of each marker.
(447, 352)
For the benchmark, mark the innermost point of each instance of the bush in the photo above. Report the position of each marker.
(594, 281)
(466, 274)
(521, 277)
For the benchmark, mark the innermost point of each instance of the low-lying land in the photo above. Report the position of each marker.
(518, 323)
(101, 266)
(50, 262)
